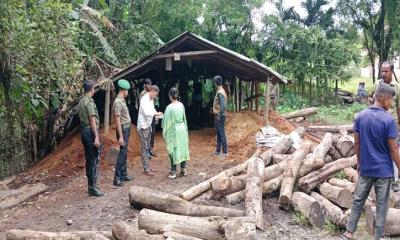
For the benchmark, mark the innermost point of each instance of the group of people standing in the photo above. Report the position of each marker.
(174, 130)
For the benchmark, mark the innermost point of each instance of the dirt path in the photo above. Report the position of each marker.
(67, 198)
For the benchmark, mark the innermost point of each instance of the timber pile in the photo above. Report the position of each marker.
(305, 179)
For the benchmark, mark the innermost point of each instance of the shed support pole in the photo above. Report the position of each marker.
(257, 98)
(251, 95)
(107, 112)
(240, 95)
(267, 100)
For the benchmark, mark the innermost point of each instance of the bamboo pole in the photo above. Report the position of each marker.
(107, 112)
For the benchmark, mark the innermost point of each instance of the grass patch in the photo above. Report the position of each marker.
(336, 115)
(352, 84)
(300, 219)
(332, 228)
(340, 175)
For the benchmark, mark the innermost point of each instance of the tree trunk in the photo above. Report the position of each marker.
(204, 186)
(351, 174)
(240, 229)
(277, 158)
(268, 187)
(257, 92)
(345, 145)
(392, 224)
(142, 197)
(253, 191)
(14, 197)
(125, 231)
(17, 234)
(335, 154)
(310, 207)
(332, 212)
(301, 113)
(312, 180)
(207, 228)
(340, 196)
(343, 183)
(317, 159)
(290, 174)
(282, 146)
(267, 96)
(221, 187)
(178, 236)
(332, 129)
(240, 94)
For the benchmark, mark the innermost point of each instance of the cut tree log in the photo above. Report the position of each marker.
(17, 234)
(124, 231)
(334, 153)
(340, 196)
(198, 189)
(9, 180)
(281, 147)
(221, 187)
(316, 159)
(253, 191)
(301, 113)
(351, 174)
(240, 229)
(277, 158)
(178, 236)
(142, 197)
(395, 196)
(343, 183)
(328, 158)
(310, 207)
(207, 228)
(345, 145)
(332, 129)
(392, 223)
(14, 197)
(268, 187)
(332, 212)
(290, 174)
(312, 180)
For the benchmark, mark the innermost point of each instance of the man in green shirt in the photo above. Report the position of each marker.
(387, 71)
(89, 119)
(123, 127)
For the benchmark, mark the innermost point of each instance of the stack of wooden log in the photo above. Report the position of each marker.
(306, 179)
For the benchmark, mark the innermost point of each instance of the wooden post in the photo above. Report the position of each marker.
(256, 93)
(107, 112)
(240, 95)
(251, 94)
(267, 100)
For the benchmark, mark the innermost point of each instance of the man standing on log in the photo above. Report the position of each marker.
(219, 110)
(146, 88)
(123, 131)
(376, 149)
(89, 119)
(387, 71)
(146, 114)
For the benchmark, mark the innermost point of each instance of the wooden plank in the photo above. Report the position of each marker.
(184, 54)
(267, 101)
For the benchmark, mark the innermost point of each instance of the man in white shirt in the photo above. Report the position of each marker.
(145, 118)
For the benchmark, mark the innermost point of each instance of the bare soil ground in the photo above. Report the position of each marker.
(67, 199)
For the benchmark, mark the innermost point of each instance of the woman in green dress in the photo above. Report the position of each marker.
(175, 133)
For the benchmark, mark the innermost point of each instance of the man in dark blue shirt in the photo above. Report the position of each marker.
(376, 148)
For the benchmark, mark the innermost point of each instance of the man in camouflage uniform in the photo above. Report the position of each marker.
(123, 130)
(89, 119)
(387, 71)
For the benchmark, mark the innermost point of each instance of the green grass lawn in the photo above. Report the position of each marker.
(352, 84)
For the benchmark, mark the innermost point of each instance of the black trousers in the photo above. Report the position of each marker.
(120, 166)
(92, 156)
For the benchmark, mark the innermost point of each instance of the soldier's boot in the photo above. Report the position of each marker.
(93, 191)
